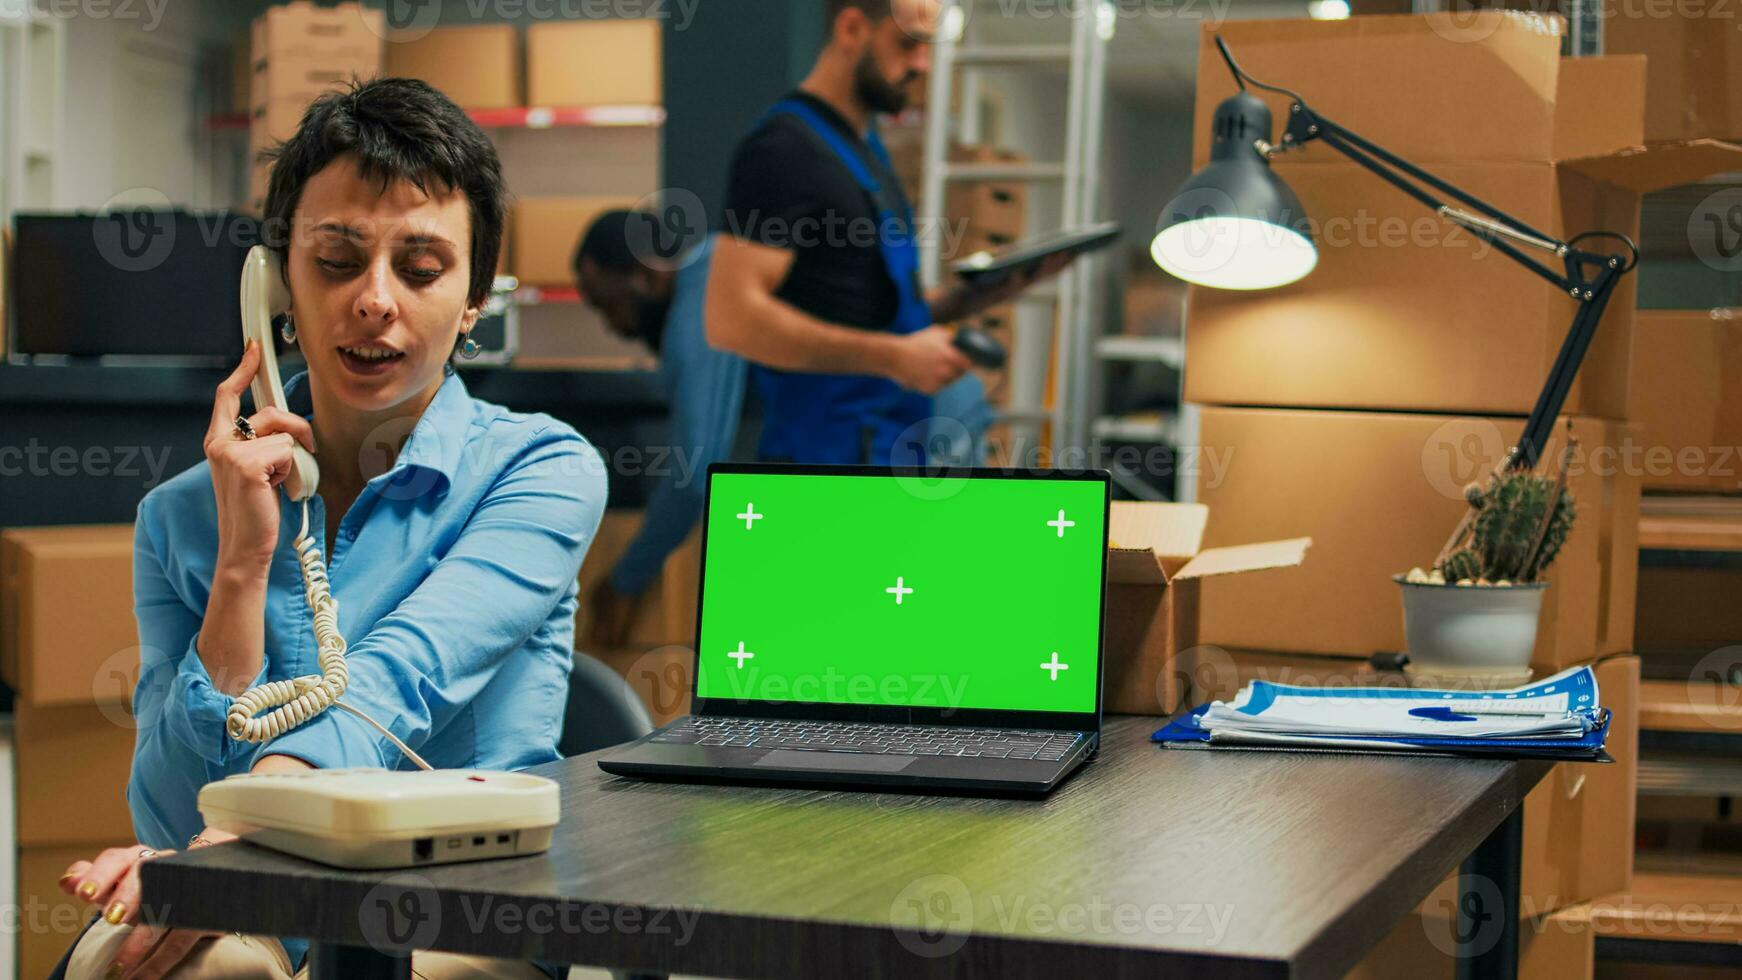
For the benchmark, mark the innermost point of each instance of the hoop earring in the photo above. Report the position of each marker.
(470, 348)
(288, 330)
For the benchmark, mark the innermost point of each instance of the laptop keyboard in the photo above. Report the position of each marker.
(870, 739)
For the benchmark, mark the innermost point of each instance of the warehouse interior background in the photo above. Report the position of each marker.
(135, 104)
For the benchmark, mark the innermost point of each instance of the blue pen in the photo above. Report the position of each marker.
(1442, 713)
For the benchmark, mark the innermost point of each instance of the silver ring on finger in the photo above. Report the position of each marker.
(146, 852)
(245, 428)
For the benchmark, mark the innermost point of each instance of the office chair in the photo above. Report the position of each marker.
(602, 710)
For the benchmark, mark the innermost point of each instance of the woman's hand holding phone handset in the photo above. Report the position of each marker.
(246, 472)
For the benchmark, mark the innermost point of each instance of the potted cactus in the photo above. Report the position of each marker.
(1477, 609)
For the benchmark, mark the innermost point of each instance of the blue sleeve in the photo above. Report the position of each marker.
(516, 559)
(707, 398)
(175, 698)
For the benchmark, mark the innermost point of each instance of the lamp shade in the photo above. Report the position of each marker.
(1235, 224)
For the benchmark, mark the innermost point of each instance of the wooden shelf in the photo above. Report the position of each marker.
(1682, 706)
(1686, 774)
(1690, 523)
(1672, 906)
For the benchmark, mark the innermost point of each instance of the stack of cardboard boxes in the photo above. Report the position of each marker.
(297, 52)
(1687, 405)
(69, 651)
(553, 65)
(1355, 405)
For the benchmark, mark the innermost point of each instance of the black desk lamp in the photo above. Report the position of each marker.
(1257, 234)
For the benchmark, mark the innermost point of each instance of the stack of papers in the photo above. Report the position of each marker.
(1557, 717)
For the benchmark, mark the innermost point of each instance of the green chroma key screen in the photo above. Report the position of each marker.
(942, 593)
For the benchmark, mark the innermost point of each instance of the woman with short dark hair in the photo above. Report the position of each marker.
(453, 528)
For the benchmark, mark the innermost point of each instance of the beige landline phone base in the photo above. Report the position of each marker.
(353, 818)
(380, 818)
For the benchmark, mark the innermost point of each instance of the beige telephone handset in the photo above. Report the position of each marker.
(263, 295)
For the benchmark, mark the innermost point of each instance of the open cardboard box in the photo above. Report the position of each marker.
(1407, 312)
(1154, 563)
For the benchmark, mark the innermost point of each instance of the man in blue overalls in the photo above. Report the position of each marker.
(816, 274)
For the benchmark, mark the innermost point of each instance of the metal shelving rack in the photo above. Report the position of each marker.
(1078, 294)
(32, 84)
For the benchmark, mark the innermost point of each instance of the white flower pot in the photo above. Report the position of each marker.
(1487, 627)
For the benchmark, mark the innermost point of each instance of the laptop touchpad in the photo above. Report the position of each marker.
(837, 761)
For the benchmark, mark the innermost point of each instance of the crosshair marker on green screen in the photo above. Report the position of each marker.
(946, 593)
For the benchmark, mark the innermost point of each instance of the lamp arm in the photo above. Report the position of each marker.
(1540, 424)
(1490, 224)
(1476, 222)
(1591, 290)
(1305, 123)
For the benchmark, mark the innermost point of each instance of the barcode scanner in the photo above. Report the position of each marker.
(978, 346)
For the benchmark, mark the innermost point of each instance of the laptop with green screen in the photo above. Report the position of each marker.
(888, 627)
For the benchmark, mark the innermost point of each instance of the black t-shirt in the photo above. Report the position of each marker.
(787, 189)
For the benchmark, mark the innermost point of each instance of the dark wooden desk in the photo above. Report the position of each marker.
(1236, 864)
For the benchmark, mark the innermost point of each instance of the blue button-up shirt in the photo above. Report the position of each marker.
(455, 574)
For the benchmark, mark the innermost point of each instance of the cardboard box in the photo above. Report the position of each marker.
(476, 66)
(303, 77)
(1363, 72)
(1687, 609)
(1561, 946)
(546, 231)
(597, 62)
(273, 123)
(1379, 493)
(1155, 564)
(304, 28)
(1687, 399)
(986, 207)
(67, 633)
(1695, 53)
(1406, 311)
(668, 610)
(49, 921)
(72, 765)
(661, 676)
